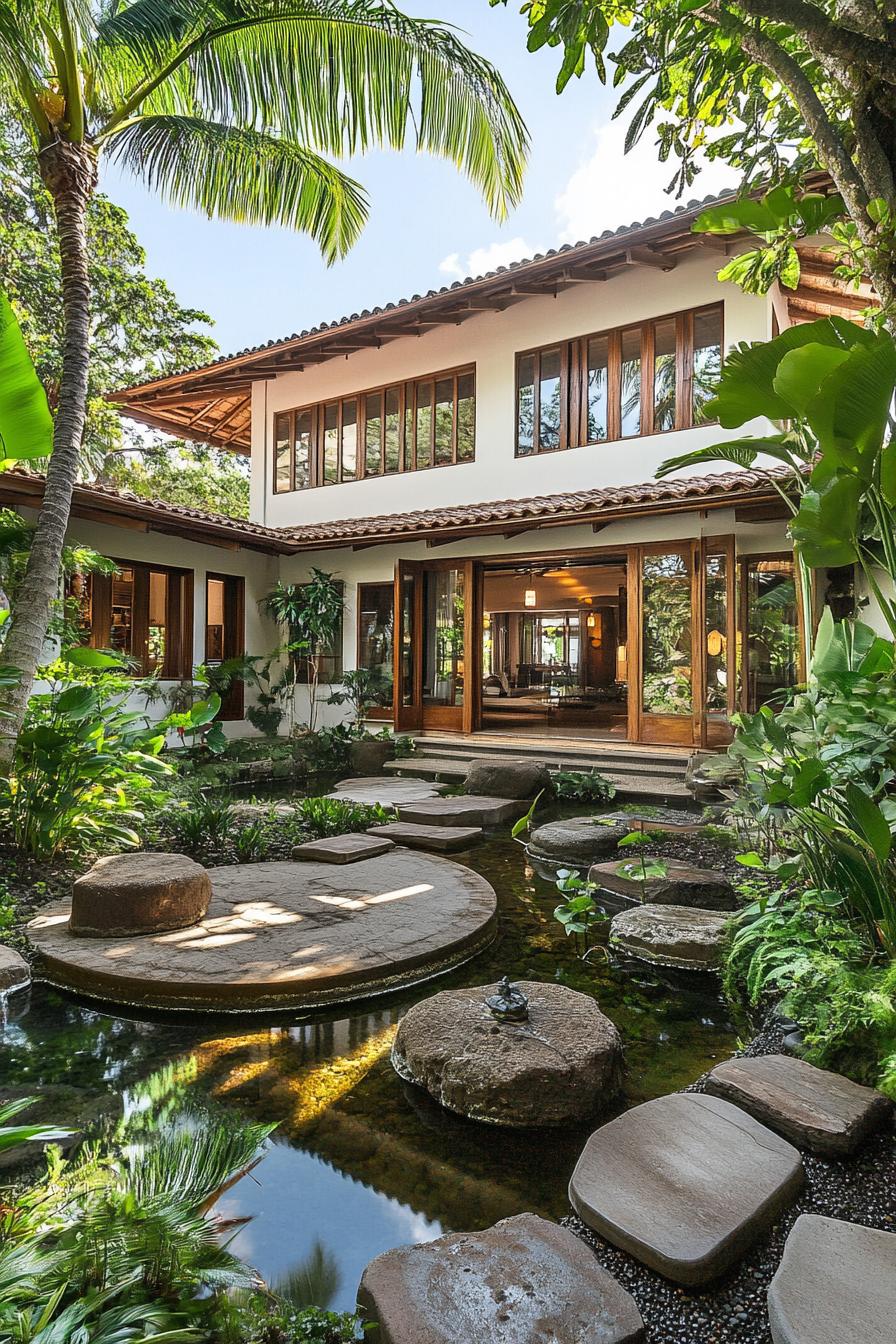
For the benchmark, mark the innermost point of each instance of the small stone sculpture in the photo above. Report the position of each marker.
(509, 1004)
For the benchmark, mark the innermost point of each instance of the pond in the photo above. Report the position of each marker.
(362, 1162)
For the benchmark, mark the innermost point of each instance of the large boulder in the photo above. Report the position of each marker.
(507, 779)
(670, 935)
(557, 1068)
(15, 973)
(836, 1284)
(577, 841)
(816, 1109)
(523, 1281)
(682, 884)
(685, 1184)
(126, 895)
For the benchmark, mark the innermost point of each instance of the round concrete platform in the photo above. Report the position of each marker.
(287, 935)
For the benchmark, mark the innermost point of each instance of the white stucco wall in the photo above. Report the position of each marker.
(491, 342)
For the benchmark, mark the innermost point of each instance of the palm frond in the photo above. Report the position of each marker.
(341, 76)
(739, 452)
(244, 176)
(190, 1166)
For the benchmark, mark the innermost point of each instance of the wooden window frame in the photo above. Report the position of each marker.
(388, 586)
(574, 382)
(407, 430)
(178, 664)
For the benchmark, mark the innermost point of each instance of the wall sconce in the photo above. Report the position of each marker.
(530, 599)
(595, 626)
(621, 662)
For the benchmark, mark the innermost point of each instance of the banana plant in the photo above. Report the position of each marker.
(26, 425)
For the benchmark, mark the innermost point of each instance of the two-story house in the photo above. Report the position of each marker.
(476, 466)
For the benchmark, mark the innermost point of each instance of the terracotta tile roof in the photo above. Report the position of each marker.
(101, 503)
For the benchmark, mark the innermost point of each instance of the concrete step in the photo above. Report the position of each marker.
(606, 760)
(630, 787)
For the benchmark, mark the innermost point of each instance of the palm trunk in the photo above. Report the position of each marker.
(69, 172)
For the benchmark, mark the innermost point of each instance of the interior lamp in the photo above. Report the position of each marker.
(530, 599)
(715, 643)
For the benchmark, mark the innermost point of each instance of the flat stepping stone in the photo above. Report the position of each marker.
(469, 810)
(558, 1068)
(685, 1184)
(699, 888)
(523, 1281)
(577, 841)
(384, 790)
(674, 819)
(443, 839)
(127, 894)
(343, 848)
(836, 1284)
(671, 935)
(287, 935)
(818, 1110)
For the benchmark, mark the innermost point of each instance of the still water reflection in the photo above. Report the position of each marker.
(362, 1162)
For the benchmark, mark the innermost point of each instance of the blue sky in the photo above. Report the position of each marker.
(427, 224)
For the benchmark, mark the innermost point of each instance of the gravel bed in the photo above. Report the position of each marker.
(861, 1189)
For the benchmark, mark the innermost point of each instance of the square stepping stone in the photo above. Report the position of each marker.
(824, 1112)
(836, 1284)
(469, 810)
(681, 884)
(685, 1184)
(343, 848)
(443, 839)
(523, 1281)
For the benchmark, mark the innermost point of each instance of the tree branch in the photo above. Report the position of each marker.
(877, 57)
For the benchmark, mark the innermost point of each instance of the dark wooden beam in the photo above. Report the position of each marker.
(649, 256)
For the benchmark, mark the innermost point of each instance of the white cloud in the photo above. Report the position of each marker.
(611, 188)
(483, 259)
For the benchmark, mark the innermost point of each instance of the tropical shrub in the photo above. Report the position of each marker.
(322, 817)
(802, 950)
(311, 615)
(818, 782)
(363, 688)
(251, 843)
(200, 822)
(83, 766)
(326, 751)
(586, 786)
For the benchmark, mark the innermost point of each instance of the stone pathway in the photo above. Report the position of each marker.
(682, 884)
(836, 1284)
(343, 848)
(385, 790)
(443, 839)
(523, 1281)
(466, 810)
(287, 935)
(817, 1110)
(685, 1184)
(558, 1068)
(670, 935)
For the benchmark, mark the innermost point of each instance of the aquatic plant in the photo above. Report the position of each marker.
(586, 786)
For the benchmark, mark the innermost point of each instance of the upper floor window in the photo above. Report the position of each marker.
(644, 379)
(429, 422)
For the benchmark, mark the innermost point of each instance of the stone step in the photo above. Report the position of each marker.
(685, 1183)
(443, 839)
(660, 790)
(342, 848)
(384, 791)
(464, 810)
(593, 755)
(836, 1284)
(818, 1110)
(523, 1280)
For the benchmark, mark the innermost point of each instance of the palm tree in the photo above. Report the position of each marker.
(230, 107)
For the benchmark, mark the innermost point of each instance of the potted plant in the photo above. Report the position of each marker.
(363, 688)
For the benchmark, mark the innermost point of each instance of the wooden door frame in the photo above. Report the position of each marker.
(683, 729)
(233, 644)
(408, 718)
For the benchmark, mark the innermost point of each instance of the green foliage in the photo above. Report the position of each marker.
(642, 868)
(579, 912)
(524, 825)
(586, 786)
(255, 1319)
(251, 844)
(311, 615)
(178, 473)
(322, 817)
(26, 426)
(363, 688)
(84, 767)
(117, 1244)
(138, 328)
(818, 789)
(327, 750)
(15, 545)
(805, 951)
(202, 822)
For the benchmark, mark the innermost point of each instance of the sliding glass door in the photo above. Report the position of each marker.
(670, 682)
(434, 649)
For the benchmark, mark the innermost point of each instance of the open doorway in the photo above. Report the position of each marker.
(225, 623)
(555, 648)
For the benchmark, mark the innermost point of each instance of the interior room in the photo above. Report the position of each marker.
(554, 648)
